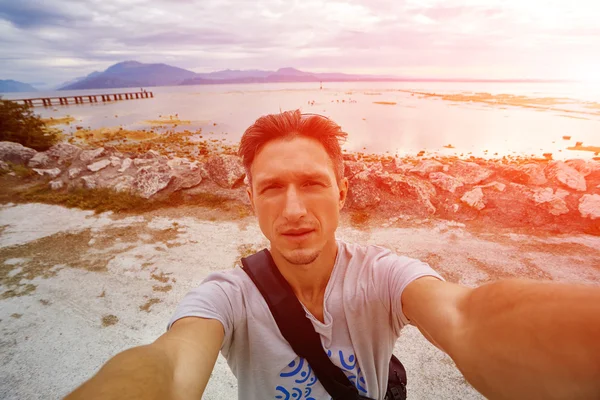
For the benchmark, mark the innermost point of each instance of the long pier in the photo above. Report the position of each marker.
(90, 98)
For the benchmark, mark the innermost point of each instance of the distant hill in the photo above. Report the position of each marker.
(10, 86)
(76, 80)
(132, 74)
(287, 74)
(137, 75)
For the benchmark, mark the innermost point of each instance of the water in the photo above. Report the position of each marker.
(411, 125)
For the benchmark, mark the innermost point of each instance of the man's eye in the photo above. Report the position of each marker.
(313, 183)
(271, 187)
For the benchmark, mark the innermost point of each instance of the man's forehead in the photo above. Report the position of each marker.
(285, 173)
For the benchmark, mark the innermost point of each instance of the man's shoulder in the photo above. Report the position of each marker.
(233, 278)
(366, 252)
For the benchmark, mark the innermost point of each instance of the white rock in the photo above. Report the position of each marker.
(52, 173)
(115, 161)
(427, 166)
(98, 165)
(57, 184)
(4, 166)
(89, 182)
(566, 175)
(125, 164)
(123, 183)
(74, 172)
(89, 155)
(553, 203)
(474, 199)
(139, 162)
(40, 160)
(499, 186)
(15, 152)
(589, 206)
(445, 181)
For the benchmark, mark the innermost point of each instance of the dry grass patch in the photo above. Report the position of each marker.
(359, 219)
(58, 121)
(149, 303)
(109, 320)
(163, 289)
(42, 255)
(162, 277)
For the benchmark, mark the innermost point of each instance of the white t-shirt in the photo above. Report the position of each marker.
(363, 318)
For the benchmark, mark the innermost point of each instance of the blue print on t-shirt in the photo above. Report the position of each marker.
(298, 377)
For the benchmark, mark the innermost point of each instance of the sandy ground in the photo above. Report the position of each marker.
(105, 283)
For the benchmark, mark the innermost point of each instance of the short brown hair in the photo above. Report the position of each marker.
(290, 124)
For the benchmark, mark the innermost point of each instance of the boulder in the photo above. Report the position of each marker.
(40, 160)
(528, 174)
(140, 162)
(125, 164)
(363, 193)
(74, 172)
(115, 161)
(89, 155)
(63, 152)
(226, 171)
(122, 183)
(551, 201)
(98, 165)
(474, 199)
(410, 186)
(566, 175)
(89, 182)
(426, 167)
(151, 179)
(401, 166)
(352, 168)
(186, 174)
(52, 172)
(589, 206)
(445, 181)
(4, 166)
(56, 184)
(15, 153)
(581, 166)
(469, 172)
(498, 186)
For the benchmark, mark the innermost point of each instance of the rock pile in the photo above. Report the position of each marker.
(557, 195)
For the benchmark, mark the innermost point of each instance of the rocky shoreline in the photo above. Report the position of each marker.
(517, 193)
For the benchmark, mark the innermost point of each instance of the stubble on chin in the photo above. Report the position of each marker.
(301, 257)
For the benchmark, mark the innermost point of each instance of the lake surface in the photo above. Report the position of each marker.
(414, 123)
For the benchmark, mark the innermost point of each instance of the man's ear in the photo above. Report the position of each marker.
(343, 186)
(250, 197)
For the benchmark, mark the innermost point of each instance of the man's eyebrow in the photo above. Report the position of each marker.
(302, 175)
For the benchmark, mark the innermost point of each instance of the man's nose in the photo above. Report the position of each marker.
(294, 207)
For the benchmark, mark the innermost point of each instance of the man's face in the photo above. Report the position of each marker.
(296, 197)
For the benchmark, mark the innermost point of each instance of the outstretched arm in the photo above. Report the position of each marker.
(514, 339)
(176, 366)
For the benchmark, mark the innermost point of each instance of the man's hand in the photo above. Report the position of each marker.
(514, 339)
(176, 366)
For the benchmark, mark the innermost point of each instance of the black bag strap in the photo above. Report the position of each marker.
(295, 327)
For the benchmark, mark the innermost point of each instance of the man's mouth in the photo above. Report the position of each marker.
(297, 234)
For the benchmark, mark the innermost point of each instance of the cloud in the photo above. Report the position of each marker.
(56, 40)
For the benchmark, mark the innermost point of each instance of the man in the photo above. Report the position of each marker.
(511, 339)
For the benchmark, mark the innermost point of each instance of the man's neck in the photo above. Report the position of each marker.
(309, 281)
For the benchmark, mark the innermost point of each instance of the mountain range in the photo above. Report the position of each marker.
(8, 86)
(136, 74)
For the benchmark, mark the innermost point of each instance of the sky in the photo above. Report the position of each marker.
(53, 41)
